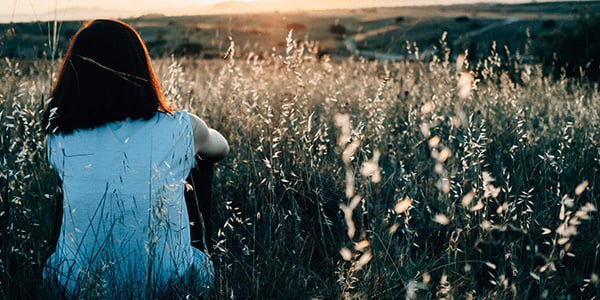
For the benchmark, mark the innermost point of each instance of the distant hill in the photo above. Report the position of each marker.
(380, 32)
(293, 5)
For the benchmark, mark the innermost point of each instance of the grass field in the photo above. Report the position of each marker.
(355, 178)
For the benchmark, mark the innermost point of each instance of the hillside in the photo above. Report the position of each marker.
(374, 33)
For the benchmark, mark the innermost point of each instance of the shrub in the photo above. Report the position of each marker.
(188, 49)
(295, 26)
(572, 51)
(462, 19)
(337, 28)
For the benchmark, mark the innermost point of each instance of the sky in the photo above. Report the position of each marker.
(43, 10)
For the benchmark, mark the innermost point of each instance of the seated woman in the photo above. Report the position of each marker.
(122, 154)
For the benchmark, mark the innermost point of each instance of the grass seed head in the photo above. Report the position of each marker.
(464, 85)
(403, 205)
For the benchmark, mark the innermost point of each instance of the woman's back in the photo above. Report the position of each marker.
(123, 155)
(125, 223)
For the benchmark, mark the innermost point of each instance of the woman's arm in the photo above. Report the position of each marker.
(209, 143)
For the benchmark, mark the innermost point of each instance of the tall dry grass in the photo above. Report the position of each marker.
(359, 179)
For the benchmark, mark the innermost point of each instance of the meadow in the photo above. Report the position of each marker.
(356, 179)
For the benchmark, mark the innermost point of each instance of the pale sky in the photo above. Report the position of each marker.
(43, 10)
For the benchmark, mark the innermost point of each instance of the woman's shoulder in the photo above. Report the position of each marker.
(178, 121)
(179, 116)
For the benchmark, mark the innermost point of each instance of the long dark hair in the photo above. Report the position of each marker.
(105, 76)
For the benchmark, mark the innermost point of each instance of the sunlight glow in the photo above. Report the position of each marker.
(43, 10)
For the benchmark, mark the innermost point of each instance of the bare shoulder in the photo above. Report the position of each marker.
(197, 123)
(208, 142)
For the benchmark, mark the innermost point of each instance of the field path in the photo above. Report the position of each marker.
(350, 42)
(474, 33)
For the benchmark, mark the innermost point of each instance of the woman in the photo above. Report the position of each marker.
(122, 154)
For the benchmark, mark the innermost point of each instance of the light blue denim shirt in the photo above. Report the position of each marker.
(125, 224)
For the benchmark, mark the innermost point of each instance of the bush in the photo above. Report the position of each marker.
(462, 19)
(572, 51)
(548, 24)
(188, 49)
(337, 28)
(296, 26)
